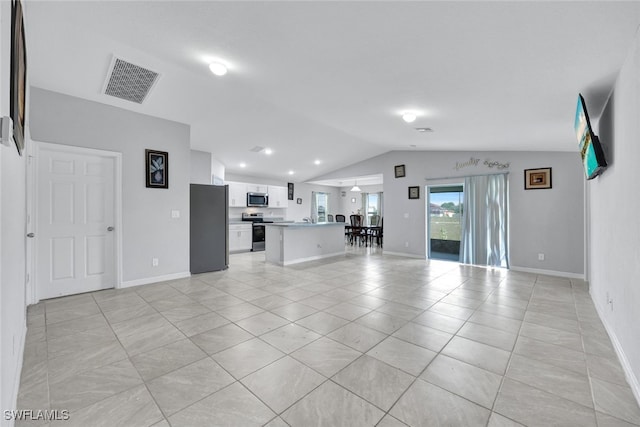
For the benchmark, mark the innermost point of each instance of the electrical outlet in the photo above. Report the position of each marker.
(155, 262)
(175, 214)
(540, 257)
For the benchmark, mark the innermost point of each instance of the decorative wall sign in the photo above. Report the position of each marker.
(157, 168)
(491, 164)
(497, 165)
(537, 179)
(290, 191)
(471, 162)
(414, 192)
(400, 171)
(299, 201)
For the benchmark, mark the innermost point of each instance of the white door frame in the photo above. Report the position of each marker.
(32, 209)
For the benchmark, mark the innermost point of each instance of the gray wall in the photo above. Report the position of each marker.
(541, 221)
(200, 169)
(614, 227)
(148, 229)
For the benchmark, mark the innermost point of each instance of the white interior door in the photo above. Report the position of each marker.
(75, 214)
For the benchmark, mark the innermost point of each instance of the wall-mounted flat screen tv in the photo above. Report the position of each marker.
(591, 152)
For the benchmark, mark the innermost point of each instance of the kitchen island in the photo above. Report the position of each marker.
(292, 243)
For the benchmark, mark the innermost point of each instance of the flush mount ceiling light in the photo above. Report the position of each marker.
(290, 172)
(316, 162)
(409, 117)
(243, 165)
(218, 69)
(355, 188)
(268, 151)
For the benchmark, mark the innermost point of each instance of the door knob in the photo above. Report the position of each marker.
(31, 235)
(110, 228)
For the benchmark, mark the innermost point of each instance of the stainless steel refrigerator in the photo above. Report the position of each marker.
(209, 228)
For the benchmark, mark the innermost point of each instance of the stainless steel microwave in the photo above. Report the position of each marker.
(259, 200)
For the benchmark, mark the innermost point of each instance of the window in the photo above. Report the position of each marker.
(320, 206)
(372, 207)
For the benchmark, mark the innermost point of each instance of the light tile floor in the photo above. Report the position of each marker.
(362, 340)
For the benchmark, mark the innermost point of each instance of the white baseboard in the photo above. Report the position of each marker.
(624, 361)
(16, 385)
(548, 272)
(403, 254)
(147, 280)
(312, 258)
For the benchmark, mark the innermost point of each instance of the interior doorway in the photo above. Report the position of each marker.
(444, 221)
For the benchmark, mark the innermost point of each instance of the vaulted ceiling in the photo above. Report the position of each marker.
(328, 81)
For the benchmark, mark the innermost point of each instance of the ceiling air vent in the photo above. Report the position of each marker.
(257, 149)
(129, 81)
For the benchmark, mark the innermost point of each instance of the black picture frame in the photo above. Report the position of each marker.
(156, 168)
(18, 83)
(290, 191)
(537, 179)
(414, 192)
(399, 171)
(299, 201)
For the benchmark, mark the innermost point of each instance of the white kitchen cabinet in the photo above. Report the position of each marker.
(240, 237)
(257, 188)
(237, 194)
(278, 197)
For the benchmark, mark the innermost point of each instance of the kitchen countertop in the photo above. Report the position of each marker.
(305, 224)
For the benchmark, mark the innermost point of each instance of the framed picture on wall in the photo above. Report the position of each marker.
(414, 192)
(157, 168)
(537, 179)
(399, 171)
(290, 191)
(18, 74)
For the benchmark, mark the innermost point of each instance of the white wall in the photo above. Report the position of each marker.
(614, 255)
(541, 221)
(200, 169)
(148, 229)
(12, 240)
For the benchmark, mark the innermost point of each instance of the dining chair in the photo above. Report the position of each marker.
(329, 218)
(357, 232)
(376, 233)
(340, 218)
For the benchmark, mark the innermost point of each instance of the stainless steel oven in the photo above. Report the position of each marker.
(258, 234)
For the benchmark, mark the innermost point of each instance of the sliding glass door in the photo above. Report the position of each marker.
(444, 226)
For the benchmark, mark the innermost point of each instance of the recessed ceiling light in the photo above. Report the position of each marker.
(316, 162)
(243, 165)
(409, 117)
(268, 151)
(290, 172)
(218, 69)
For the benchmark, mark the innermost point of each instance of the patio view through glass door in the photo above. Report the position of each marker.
(444, 229)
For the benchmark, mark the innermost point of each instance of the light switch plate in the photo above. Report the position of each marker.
(175, 214)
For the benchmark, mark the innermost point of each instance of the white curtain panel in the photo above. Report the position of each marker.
(314, 206)
(485, 221)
